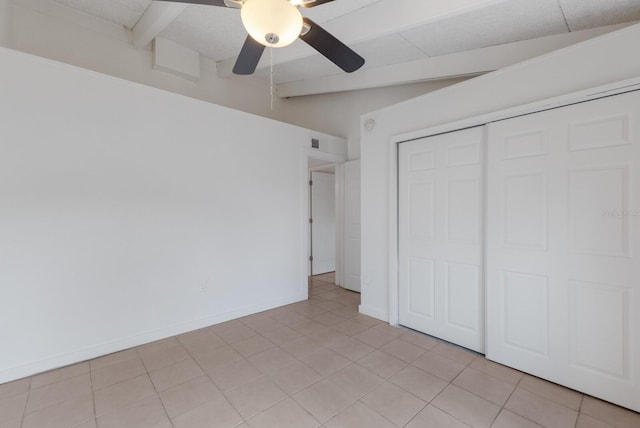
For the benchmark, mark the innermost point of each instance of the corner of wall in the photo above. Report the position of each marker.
(374, 312)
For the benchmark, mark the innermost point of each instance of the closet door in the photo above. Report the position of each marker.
(563, 241)
(440, 236)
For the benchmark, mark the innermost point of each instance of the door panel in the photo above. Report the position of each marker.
(323, 230)
(440, 236)
(563, 234)
(463, 285)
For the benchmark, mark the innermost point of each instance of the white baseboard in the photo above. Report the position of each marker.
(98, 350)
(374, 312)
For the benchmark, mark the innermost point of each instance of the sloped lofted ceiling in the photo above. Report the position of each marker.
(401, 40)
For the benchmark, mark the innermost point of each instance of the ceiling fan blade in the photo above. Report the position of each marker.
(332, 48)
(313, 3)
(249, 57)
(205, 2)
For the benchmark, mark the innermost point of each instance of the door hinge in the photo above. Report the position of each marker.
(310, 182)
(310, 258)
(310, 221)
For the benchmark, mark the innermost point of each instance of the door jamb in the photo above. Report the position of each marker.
(329, 158)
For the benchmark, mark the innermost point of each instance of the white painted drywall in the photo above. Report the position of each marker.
(6, 23)
(335, 113)
(55, 32)
(174, 58)
(606, 59)
(128, 214)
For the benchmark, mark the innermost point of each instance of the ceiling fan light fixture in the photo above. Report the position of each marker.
(274, 23)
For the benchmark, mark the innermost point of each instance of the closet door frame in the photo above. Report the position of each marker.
(612, 89)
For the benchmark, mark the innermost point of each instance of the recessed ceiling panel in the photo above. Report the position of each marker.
(496, 24)
(216, 32)
(121, 12)
(392, 49)
(584, 14)
(333, 10)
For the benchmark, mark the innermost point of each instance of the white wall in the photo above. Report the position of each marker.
(53, 31)
(599, 61)
(6, 23)
(339, 113)
(50, 30)
(129, 214)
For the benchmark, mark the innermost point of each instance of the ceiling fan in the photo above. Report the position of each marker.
(278, 23)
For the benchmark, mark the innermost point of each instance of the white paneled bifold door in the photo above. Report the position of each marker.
(563, 242)
(440, 215)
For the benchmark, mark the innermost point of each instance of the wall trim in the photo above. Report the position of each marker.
(393, 293)
(340, 210)
(603, 91)
(88, 353)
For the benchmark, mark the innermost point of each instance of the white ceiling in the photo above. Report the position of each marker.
(217, 32)
(494, 25)
(123, 12)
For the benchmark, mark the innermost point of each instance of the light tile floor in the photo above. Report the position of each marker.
(317, 363)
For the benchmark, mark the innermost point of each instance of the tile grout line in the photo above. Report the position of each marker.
(212, 381)
(582, 394)
(502, 406)
(153, 385)
(579, 411)
(93, 395)
(384, 380)
(450, 383)
(287, 397)
(57, 403)
(383, 416)
(440, 393)
(24, 410)
(446, 412)
(509, 398)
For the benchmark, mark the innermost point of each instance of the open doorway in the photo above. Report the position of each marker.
(322, 220)
(326, 254)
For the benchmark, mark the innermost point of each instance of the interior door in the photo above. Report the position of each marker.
(441, 289)
(352, 225)
(563, 263)
(323, 226)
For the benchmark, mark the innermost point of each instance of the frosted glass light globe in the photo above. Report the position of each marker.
(265, 18)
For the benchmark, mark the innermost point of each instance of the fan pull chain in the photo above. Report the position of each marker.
(271, 74)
